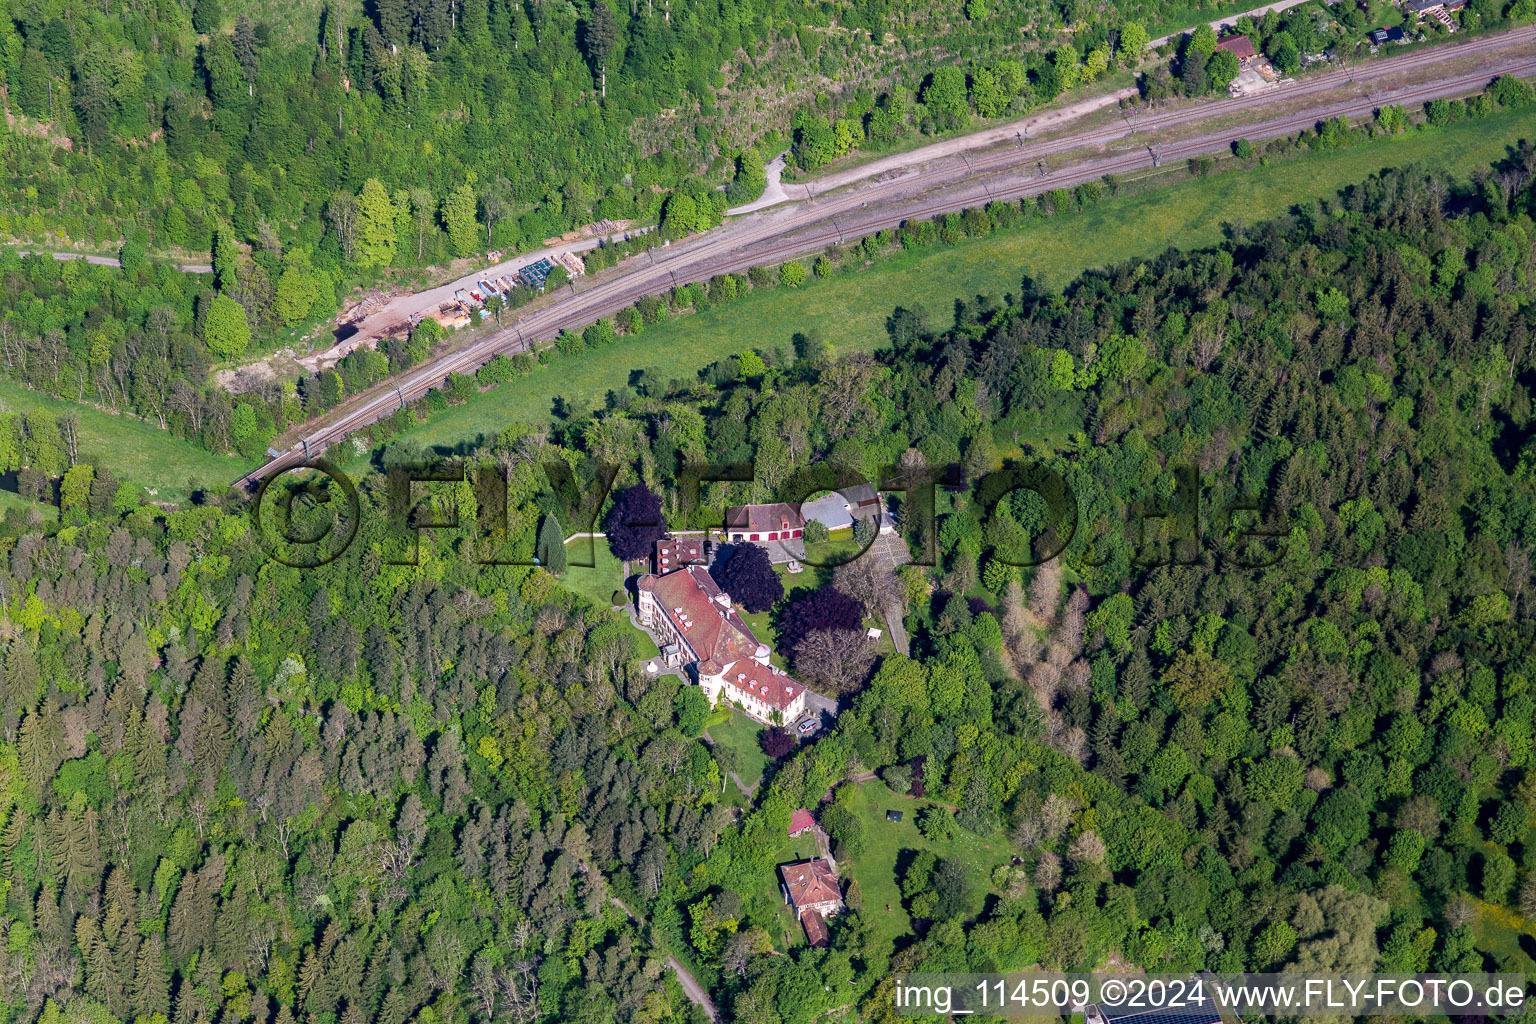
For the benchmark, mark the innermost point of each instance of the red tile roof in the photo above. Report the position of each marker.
(810, 882)
(675, 552)
(1239, 46)
(693, 602)
(766, 683)
(779, 516)
(816, 932)
(800, 821)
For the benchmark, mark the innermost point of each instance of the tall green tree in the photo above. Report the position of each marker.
(226, 330)
(459, 218)
(551, 545)
(600, 33)
(376, 225)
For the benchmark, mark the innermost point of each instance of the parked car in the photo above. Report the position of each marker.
(808, 725)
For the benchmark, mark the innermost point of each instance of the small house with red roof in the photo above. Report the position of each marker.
(816, 931)
(1240, 47)
(812, 889)
(800, 822)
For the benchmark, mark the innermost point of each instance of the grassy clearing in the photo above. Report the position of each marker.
(761, 623)
(887, 846)
(597, 582)
(1509, 937)
(132, 449)
(740, 735)
(761, 626)
(849, 309)
(801, 584)
(838, 547)
(11, 500)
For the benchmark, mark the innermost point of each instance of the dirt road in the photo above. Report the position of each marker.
(1257, 12)
(113, 261)
(773, 194)
(795, 229)
(691, 987)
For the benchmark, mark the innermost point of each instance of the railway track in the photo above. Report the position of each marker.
(945, 186)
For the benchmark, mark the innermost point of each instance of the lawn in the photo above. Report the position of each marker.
(760, 623)
(887, 849)
(838, 547)
(740, 735)
(597, 582)
(849, 309)
(877, 868)
(801, 584)
(133, 449)
(761, 627)
(11, 500)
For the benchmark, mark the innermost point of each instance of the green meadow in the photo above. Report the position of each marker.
(134, 450)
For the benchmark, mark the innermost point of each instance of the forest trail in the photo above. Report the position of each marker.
(691, 987)
(113, 261)
(746, 791)
(773, 194)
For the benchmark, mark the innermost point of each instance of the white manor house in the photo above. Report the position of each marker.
(697, 629)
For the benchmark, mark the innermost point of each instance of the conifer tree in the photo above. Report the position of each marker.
(551, 551)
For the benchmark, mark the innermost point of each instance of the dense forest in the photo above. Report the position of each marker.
(515, 120)
(494, 124)
(406, 793)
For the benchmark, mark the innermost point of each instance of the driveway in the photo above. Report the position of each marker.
(824, 706)
(773, 195)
